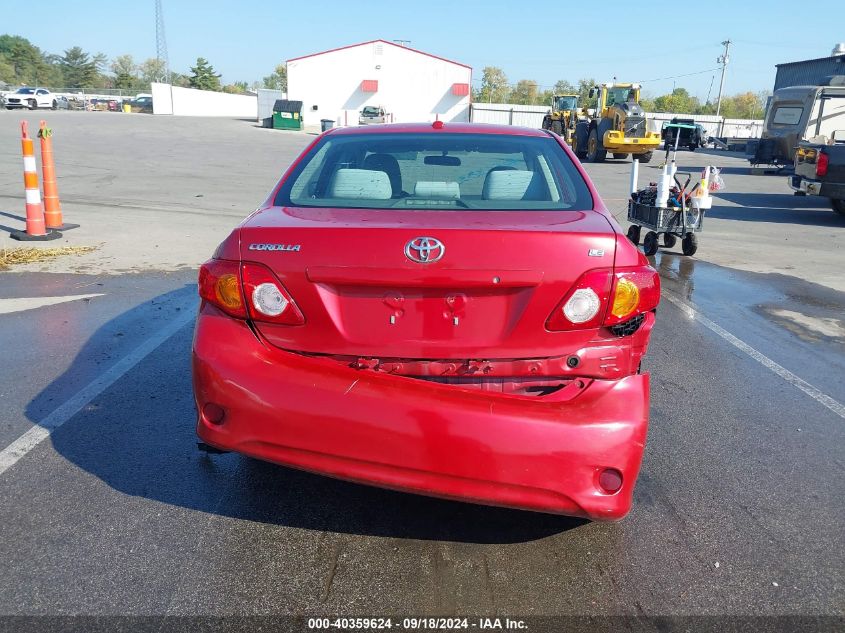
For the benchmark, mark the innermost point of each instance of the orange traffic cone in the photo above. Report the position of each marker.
(36, 230)
(52, 205)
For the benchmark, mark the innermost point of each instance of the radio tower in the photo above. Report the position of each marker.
(161, 44)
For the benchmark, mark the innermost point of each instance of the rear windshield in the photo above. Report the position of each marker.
(433, 171)
(787, 115)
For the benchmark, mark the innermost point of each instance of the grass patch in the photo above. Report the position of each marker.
(29, 255)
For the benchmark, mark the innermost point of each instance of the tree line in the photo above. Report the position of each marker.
(495, 88)
(24, 64)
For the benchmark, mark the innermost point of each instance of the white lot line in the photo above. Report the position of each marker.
(42, 430)
(816, 394)
(7, 306)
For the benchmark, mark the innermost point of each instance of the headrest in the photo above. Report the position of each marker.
(380, 162)
(506, 185)
(437, 189)
(361, 183)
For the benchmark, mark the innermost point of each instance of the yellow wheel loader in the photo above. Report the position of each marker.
(563, 116)
(618, 126)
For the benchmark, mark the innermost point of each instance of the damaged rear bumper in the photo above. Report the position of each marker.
(544, 453)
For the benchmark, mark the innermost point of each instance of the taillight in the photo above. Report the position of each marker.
(821, 164)
(605, 297)
(219, 284)
(267, 299)
(635, 291)
(584, 306)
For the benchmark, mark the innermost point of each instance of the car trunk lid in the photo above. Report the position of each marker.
(487, 294)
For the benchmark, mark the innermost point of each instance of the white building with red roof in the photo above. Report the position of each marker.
(408, 84)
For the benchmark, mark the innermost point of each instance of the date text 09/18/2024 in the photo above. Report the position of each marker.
(417, 624)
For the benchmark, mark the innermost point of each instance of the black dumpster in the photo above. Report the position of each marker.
(326, 124)
(287, 115)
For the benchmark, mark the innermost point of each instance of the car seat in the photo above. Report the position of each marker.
(389, 165)
(508, 183)
(367, 184)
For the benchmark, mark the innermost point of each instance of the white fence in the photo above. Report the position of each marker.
(532, 116)
(508, 114)
(714, 125)
(266, 100)
(169, 99)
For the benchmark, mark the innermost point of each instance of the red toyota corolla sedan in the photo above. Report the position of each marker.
(445, 309)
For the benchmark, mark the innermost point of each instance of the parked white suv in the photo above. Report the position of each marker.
(31, 98)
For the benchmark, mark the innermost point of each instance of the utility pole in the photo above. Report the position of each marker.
(722, 59)
(161, 43)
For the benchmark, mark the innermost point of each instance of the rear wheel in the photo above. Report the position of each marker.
(595, 152)
(650, 244)
(669, 240)
(689, 245)
(838, 205)
(547, 123)
(634, 234)
(54, 105)
(618, 155)
(557, 128)
(644, 158)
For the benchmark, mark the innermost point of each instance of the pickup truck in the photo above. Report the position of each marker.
(371, 115)
(820, 171)
(31, 98)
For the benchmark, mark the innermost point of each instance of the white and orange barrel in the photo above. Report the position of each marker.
(34, 210)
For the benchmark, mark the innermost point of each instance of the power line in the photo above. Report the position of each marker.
(699, 72)
(546, 61)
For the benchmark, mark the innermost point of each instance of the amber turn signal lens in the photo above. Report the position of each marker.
(625, 299)
(228, 292)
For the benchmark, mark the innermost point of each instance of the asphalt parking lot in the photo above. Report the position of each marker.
(738, 510)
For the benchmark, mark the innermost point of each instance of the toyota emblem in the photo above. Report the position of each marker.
(424, 250)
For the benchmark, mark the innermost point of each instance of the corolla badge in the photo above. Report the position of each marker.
(424, 250)
(274, 247)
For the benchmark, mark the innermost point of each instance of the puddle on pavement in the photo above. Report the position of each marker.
(807, 310)
(807, 327)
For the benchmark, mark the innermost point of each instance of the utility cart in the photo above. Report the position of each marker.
(675, 212)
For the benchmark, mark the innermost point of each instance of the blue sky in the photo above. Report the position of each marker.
(245, 40)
